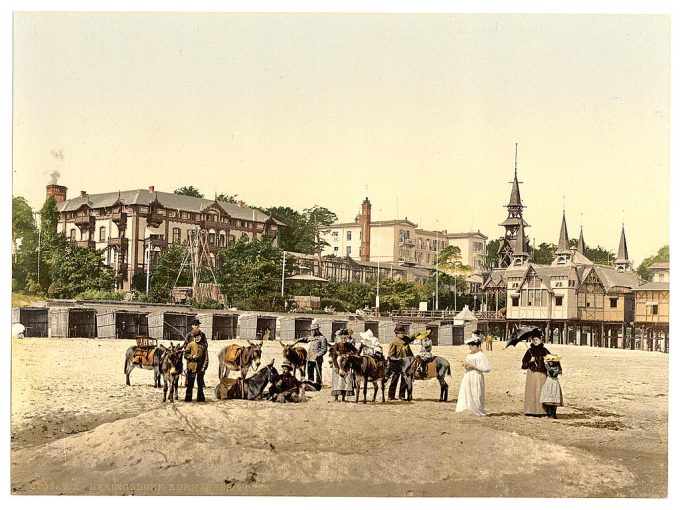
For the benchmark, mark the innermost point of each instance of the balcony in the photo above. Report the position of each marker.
(84, 221)
(87, 244)
(154, 219)
(215, 225)
(119, 218)
(157, 241)
(407, 242)
(118, 242)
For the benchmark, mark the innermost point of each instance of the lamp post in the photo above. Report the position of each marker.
(147, 261)
(474, 306)
(283, 273)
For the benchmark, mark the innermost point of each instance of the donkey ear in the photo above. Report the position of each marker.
(272, 362)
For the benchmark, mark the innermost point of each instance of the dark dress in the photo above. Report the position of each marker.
(536, 376)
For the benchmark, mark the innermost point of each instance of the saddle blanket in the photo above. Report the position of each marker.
(222, 390)
(431, 371)
(143, 356)
(233, 353)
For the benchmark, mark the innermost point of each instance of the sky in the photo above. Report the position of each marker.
(419, 112)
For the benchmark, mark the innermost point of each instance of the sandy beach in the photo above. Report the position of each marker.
(78, 429)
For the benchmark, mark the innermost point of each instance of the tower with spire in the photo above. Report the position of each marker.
(622, 263)
(563, 254)
(512, 225)
(581, 245)
(520, 254)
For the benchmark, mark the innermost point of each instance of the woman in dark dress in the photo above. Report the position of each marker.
(534, 364)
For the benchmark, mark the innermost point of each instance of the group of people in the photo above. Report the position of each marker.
(542, 393)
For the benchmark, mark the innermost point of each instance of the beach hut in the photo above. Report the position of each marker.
(170, 325)
(33, 318)
(219, 326)
(386, 330)
(329, 327)
(292, 328)
(71, 322)
(122, 324)
(254, 327)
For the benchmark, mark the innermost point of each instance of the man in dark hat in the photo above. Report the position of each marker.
(397, 354)
(196, 354)
(318, 347)
(287, 388)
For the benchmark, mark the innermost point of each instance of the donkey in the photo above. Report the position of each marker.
(367, 368)
(156, 366)
(296, 355)
(171, 368)
(243, 359)
(247, 389)
(442, 369)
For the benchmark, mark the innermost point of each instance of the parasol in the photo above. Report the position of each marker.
(522, 335)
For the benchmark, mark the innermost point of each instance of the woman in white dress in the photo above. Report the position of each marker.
(471, 394)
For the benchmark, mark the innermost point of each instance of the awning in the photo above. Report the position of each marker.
(306, 278)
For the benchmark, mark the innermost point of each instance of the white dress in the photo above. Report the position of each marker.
(471, 394)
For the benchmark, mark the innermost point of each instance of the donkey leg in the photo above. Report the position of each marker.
(375, 390)
(127, 373)
(365, 388)
(165, 390)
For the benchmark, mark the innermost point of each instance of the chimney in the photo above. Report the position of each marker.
(83, 194)
(241, 203)
(58, 192)
(151, 189)
(366, 230)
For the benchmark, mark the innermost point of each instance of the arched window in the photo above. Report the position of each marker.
(102, 234)
(176, 235)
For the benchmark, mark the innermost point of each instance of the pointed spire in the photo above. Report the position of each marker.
(520, 247)
(622, 256)
(581, 246)
(563, 243)
(515, 199)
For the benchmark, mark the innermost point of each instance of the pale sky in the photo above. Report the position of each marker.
(419, 112)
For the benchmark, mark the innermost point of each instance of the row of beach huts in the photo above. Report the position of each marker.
(86, 322)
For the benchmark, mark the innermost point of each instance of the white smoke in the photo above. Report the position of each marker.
(54, 176)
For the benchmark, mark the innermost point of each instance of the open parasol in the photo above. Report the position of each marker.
(522, 335)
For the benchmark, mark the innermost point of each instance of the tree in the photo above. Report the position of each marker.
(600, 255)
(188, 191)
(320, 219)
(544, 254)
(23, 223)
(663, 255)
(249, 273)
(492, 248)
(223, 197)
(74, 269)
(296, 234)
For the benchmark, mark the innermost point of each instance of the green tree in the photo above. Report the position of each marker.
(296, 234)
(74, 270)
(223, 197)
(544, 253)
(23, 223)
(492, 248)
(663, 255)
(600, 255)
(249, 273)
(188, 191)
(320, 219)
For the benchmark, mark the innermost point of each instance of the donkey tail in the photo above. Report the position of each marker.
(448, 370)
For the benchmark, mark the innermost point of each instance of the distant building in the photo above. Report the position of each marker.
(127, 224)
(401, 243)
(660, 272)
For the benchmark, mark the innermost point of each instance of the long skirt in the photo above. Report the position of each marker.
(551, 393)
(342, 385)
(532, 392)
(471, 393)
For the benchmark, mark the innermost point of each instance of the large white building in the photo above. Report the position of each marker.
(400, 242)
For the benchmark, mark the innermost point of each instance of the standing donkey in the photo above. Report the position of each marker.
(171, 368)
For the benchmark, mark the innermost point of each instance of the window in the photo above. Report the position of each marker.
(176, 235)
(223, 240)
(211, 239)
(102, 234)
(73, 234)
(613, 302)
(335, 250)
(348, 251)
(653, 309)
(515, 301)
(335, 235)
(349, 235)
(558, 300)
(173, 214)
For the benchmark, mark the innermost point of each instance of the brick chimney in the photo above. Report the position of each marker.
(366, 230)
(58, 192)
(151, 189)
(83, 194)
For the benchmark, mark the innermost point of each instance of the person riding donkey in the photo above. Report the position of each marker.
(369, 345)
(425, 355)
(196, 354)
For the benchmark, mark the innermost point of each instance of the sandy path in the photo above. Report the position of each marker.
(77, 428)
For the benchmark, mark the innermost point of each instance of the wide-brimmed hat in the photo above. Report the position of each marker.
(287, 365)
(343, 332)
(195, 322)
(367, 335)
(473, 340)
(552, 357)
(314, 325)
